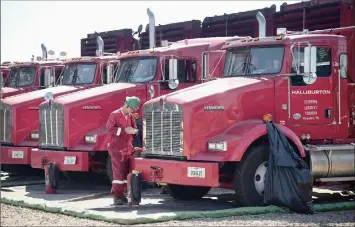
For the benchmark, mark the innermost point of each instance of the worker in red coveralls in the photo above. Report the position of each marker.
(122, 128)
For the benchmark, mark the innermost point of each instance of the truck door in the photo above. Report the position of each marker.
(312, 103)
(184, 70)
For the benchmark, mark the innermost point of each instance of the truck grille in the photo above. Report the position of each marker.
(5, 123)
(51, 130)
(163, 129)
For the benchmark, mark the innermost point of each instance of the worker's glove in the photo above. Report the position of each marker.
(137, 152)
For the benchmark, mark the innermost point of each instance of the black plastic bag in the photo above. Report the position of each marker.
(288, 180)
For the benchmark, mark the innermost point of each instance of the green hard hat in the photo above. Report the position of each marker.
(132, 102)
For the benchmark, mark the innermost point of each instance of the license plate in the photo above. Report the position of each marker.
(17, 154)
(196, 172)
(69, 160)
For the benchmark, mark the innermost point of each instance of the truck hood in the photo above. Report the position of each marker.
(22, 109)
(36, 95)
(222, 103)
(9, 91)
(210, 89)
(91, 93)
(84, 113)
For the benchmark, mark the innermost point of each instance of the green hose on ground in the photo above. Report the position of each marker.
(94, 215)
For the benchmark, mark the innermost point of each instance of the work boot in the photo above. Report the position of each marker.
(119, 201)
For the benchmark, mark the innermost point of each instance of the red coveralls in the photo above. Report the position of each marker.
(120, 149)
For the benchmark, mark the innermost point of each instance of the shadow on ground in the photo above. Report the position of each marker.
(154, 203)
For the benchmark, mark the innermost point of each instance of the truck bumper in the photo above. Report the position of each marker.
(177, 172)
(65, 160)
(15, 155)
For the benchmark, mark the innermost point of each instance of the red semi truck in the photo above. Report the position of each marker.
(25, 77)
(80, 141)
(304, 80)
(19, 131)
(30, 76)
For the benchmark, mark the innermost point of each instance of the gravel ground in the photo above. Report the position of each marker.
(18, 216)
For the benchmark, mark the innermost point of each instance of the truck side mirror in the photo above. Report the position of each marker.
(52, 81)
(310, 59)
(204, 66)
(173, 81)
(49, 75)
(310, 64)
(1, 79)
(109, 73)
(1, 84)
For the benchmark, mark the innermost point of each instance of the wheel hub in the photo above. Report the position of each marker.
(259, 178)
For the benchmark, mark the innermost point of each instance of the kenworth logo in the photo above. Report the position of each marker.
(91, 107)
(312, 92)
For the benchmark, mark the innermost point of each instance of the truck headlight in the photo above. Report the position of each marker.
(217, 146)
(34, 135)
(90, 139)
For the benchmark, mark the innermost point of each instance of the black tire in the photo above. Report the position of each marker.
(181, 192)
(244, 186)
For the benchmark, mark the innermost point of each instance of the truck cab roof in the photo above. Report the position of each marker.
(214, 43)
(87, 59)
(282, 39)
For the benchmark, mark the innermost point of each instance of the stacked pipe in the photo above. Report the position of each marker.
(237, 24)
(118, 40)
(314, 15)
(311, 15)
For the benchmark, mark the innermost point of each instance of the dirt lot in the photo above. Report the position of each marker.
(17, 216)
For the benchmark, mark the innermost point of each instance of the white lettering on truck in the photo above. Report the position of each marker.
(91, 107)
(312, 92)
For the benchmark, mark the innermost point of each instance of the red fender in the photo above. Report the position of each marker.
(240, 136)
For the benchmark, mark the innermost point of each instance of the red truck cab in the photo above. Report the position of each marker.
(304, 80)
(30, 76)
(80, 141)
(19, 131)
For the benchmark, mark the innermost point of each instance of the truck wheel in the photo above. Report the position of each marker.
(109, 168)
(181, 192)
(249, 177)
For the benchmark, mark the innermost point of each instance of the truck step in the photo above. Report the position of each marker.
(328, 147)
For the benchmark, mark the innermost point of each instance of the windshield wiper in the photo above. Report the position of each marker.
(245, 66)
(126, 74)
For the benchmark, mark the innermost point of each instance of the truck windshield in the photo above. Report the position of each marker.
(79, 73)
(253, 61)
(22, 76)
(137, 70)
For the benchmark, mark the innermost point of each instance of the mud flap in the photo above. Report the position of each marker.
(288, 180)
(51, 175)
(134, 190)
